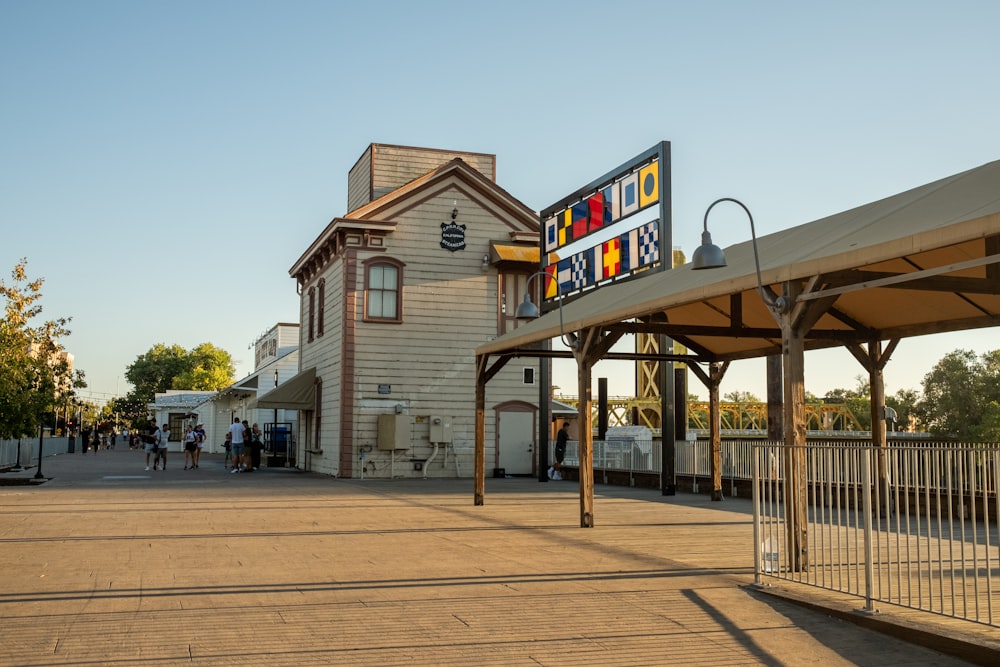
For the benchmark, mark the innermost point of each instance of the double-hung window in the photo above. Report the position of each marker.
(383, 290)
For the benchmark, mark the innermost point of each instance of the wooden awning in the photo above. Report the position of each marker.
(298, 393)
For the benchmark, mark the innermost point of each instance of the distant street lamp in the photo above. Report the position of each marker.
(41, 444)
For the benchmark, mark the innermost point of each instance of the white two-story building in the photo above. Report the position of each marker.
(430, 261)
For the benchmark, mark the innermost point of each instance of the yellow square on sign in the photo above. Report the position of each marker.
(649, 184)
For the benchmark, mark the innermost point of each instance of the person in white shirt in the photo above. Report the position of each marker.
(199, 436)
(190, 445)
(236, 433)
(161, 447)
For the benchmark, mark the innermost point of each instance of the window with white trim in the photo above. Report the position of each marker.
(383, 290)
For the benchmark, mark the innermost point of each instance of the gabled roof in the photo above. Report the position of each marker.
(378, 214)
(923, 261)
(458, 168)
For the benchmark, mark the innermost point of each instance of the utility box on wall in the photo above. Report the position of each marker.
(440, 429)
(393, 432)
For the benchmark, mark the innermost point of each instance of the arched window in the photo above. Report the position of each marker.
(312, 313)
(383, 290)
(322, 307)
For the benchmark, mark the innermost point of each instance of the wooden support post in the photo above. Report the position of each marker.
(775, 431)
(794, 418)
(586, 440)
(591, 345)
(874, 360)
(480, 435)
(716, 372)
(876, 393)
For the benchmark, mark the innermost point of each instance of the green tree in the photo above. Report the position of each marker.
(857, 401)
(208, 369)
(740, 397)
(162, 367)
(961, 396)
(34, 371)
(154, 371)
(131, 410)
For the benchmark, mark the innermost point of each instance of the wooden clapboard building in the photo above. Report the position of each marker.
(430, 261)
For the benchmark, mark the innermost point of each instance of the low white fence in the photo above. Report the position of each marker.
(8, 453)
(691, 458)
(28, 449)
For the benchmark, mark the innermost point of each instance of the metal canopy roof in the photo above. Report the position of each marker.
(920, 262)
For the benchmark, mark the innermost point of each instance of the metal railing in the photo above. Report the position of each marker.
(908, 525)
(912, 525)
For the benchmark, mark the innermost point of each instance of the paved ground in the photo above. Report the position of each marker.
(107, 564)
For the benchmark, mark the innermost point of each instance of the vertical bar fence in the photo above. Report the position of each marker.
(910, 524)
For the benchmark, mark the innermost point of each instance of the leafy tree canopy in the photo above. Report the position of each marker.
(162, 367)
(34, 370)
(154, 371)
(208, 369)
(961, 396)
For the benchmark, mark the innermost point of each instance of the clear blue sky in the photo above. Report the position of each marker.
(164, 163)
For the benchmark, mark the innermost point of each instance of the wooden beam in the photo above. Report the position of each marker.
(955, 284)
(900, 278)
(677, 331)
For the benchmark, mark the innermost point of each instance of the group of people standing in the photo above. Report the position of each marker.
(156, 440)
(243, 446)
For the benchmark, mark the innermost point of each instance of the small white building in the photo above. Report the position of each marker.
(178, 408)
(276, 360)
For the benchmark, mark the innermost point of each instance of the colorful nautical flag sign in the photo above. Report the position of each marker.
(586, 241)
(630, 193)
(619, 256)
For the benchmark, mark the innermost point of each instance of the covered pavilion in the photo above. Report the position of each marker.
(920, 262)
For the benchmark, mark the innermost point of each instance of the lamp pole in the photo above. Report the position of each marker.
(41, 444)
(527, 310)
(709, 256)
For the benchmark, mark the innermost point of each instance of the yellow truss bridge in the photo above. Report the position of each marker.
(734, 416)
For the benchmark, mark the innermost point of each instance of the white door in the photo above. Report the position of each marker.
(517, 442)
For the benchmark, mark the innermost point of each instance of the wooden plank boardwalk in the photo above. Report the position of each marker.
(107, 564)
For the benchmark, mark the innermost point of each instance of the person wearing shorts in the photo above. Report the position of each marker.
(236, 433)
(199, 438)
(161, 447)
(190, 446)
